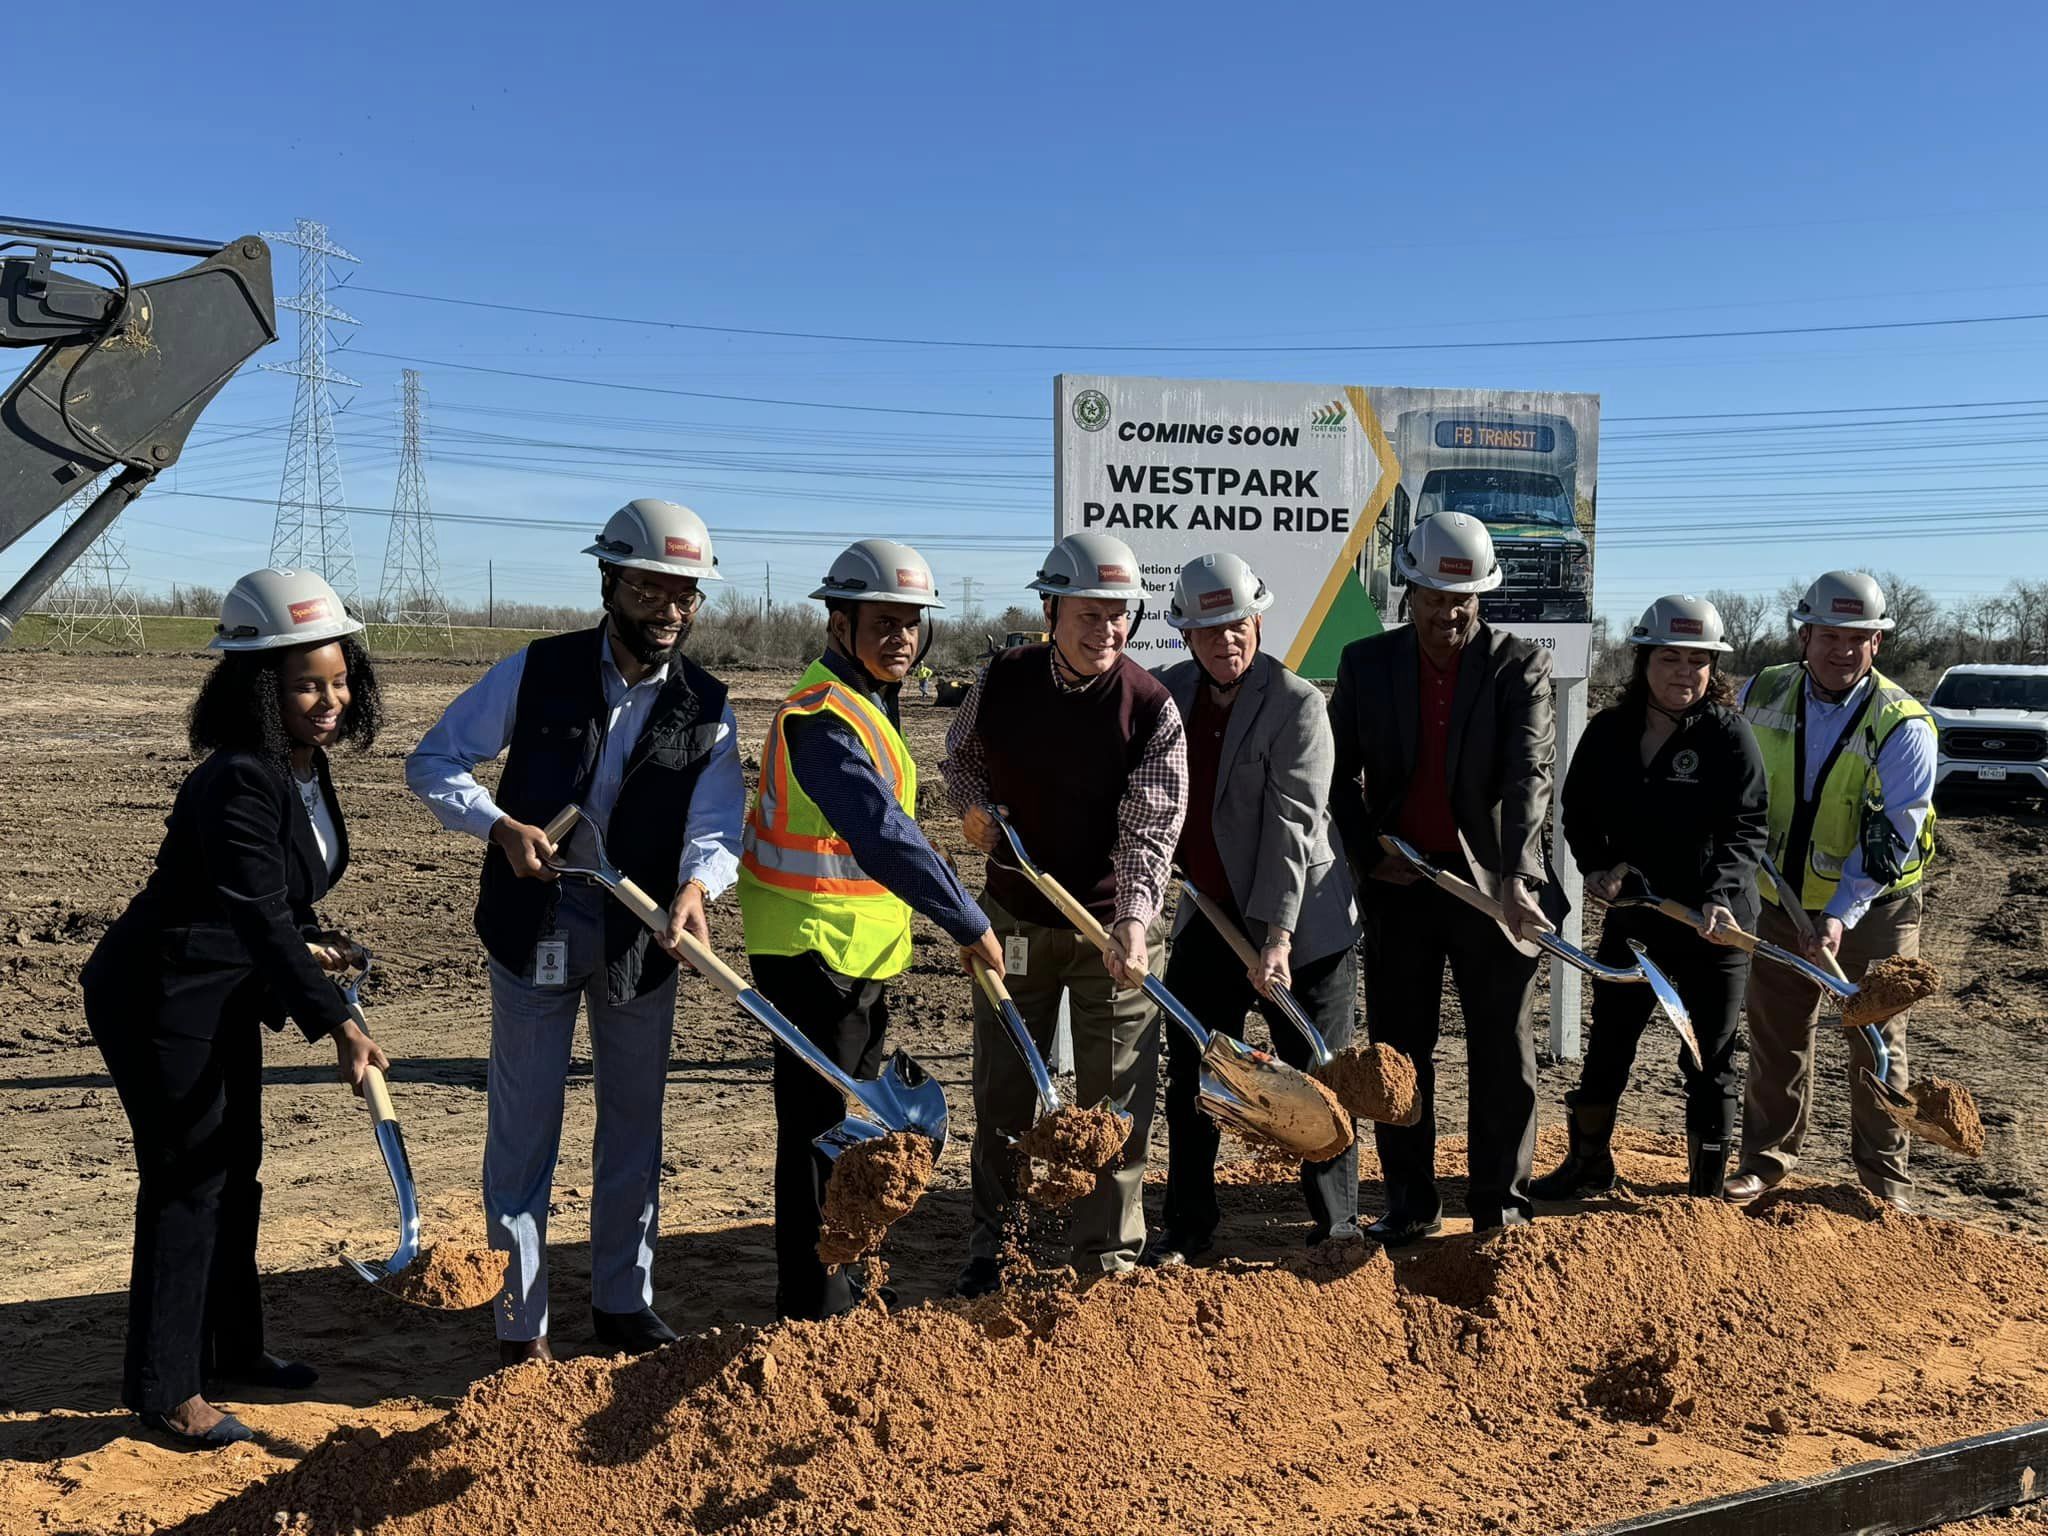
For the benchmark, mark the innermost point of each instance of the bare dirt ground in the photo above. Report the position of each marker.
(91, 752)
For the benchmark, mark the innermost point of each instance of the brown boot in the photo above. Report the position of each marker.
(519, 1351)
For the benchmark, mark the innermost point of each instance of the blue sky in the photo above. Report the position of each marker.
(1189, 175)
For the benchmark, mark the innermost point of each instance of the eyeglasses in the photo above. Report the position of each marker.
(657, 599)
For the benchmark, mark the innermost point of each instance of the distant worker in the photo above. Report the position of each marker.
(923, 674)
(833, 865)
(223, 939)
(617, 720)
(1082, 749)
(1257, 841)
(1667, 785)
(1851, 759)
(1449, 721)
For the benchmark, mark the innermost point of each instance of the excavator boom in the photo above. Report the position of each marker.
(123, 371)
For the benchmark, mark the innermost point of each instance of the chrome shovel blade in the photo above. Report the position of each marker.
(1669, 1003)
(391, 1142)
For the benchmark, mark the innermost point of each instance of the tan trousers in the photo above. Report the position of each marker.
(1783, 1009)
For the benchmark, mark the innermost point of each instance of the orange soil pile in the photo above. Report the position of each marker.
(873, 1183)
(1076, 1138)
(1498, 1385)
(449, 1276)
(1948, 1104)
(1890, 987)
(1373, 1082)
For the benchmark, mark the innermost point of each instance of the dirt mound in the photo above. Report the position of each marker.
(873, 1183)
(1276, 1399)
(1373, 1082)
(1077, 1138)
(1949, 1106)
(1890, 986)
(449, 1276)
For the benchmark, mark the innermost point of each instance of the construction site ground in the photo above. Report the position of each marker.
(91, 752)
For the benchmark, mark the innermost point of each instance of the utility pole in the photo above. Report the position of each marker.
(410, 593)
(93, 599)
(311, 532)
(491, 594)
(966, 598)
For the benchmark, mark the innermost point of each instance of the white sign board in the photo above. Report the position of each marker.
(1314, 485)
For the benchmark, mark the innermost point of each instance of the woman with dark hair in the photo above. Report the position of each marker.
(221, 938)
(1668, 782)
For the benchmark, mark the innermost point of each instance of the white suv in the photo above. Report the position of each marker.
(1993, 721)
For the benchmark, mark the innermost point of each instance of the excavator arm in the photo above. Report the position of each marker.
(123, 371)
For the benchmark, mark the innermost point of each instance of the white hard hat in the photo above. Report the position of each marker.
(1451, 552)
(270, 609)
(881, 571)
(1214, 590)
(1091, 565)
(1843, 600)
(650, 535)
(1682, 620)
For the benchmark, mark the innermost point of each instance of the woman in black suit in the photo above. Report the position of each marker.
(222, 938)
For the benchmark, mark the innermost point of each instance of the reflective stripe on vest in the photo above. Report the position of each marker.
(1776, 701)
(801, 888)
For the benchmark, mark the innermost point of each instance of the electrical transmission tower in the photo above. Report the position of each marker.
(94, 600)
(311, 532)
(410, 593)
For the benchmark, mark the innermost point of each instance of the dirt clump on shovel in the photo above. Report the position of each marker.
(1076, 1138)
(449, 1277)
(873, 1183)
(1372, 1082)
(1948, 1106)
(1889, 988)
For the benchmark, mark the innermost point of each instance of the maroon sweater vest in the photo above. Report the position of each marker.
(1061, 763)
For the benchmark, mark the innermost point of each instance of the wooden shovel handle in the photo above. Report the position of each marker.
(991, 985)
(377, 1097)
(1788, 900)
(655, 916)
(1232, 934)
(1082, 919)
(1698, 923)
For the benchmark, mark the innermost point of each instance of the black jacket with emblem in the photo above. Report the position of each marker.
(1693, 821)
(557, 739)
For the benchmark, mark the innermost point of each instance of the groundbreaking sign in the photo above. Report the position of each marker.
(1316, 484)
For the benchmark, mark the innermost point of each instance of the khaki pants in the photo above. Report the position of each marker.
(1116, 1056)
(1782, 1009)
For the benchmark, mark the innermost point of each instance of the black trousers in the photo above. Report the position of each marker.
(1711, 978)
(1204, 973)
(1411, 931)
(191, 1085)
(847, 1018)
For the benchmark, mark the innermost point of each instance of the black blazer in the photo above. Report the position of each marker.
(218, 935)
(1503, 740)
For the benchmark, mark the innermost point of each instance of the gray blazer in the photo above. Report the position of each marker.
(1271, 818)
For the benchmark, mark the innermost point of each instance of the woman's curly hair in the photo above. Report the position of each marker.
(237, 709)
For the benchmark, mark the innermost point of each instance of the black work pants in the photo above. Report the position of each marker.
(1710, 979)
(1411, 931)
(846, 1018)
(190, 1080)
(1204, 973)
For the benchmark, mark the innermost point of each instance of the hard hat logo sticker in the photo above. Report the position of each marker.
(1220, 598)
(907, 577)
(1846, 605)
(311, 611)
(687, 548)
(1453, 565)
(1113, 573)
(1687, 627)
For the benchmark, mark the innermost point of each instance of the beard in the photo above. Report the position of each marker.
(634, 635)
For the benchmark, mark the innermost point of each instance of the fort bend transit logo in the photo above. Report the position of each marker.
(1091, 410)
(1327, 418)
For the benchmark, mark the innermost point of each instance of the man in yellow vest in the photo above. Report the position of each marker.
(832, 866)
(1850, 756)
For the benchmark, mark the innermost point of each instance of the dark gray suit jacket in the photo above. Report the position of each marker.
(1500, 755)
(1271, 816)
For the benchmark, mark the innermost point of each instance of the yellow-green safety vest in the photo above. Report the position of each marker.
(1833, 820)
(801, 889)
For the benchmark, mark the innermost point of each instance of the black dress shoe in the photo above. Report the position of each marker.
(632, 1333)
(519, 1351)
(1495, 1223)
(266, 1371)
(229, 1431)
(981, 1277)
(1397, 1229)
(1173, 1250)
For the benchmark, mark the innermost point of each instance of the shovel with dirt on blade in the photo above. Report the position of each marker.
(1253, 1093)
(1935, 1108)
(1670, 1006)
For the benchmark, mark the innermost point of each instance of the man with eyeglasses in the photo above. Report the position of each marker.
(1082, 749)
(617, 720)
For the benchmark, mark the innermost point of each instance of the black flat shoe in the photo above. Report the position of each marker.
(632, 1333)
(981, 1277)
(1397, 1229)
(266, 1371)
(229, 1431)
(1173, 1251)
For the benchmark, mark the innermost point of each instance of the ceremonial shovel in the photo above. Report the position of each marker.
(390, 1142)
(1247, 1090)
(1669, 1003)
(903, 1098)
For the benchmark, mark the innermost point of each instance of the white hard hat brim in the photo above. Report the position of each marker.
(1249, 610)
(1689, 643)
(1809, 621)
(1127, 594)
(665, 567)
(901, 599)
(312, 634)
(1411, 574)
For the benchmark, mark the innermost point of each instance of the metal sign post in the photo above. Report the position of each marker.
(1566, 984)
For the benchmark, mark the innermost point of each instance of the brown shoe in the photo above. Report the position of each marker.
(1743, 1188)
(519, 1351)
